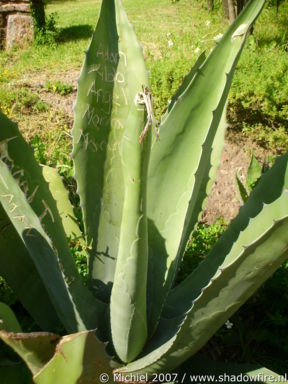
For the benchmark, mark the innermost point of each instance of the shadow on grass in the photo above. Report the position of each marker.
(75, 32)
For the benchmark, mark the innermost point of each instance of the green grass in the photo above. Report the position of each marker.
(172, 37)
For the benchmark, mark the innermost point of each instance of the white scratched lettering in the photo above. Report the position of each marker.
(3, 182)
(20, 218)
(122, 54)
(9, 195)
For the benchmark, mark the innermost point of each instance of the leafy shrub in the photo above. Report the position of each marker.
(58, 87)
(80, 258)
(166, 76)
(22, 101)
(258, 100)
(48, 36)
(39, 150)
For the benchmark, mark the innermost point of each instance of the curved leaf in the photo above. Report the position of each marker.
(111, 172)
(22, 276)
(128, 297)
(36, 349)
(99, 115)
(18, 156)
(61, 197)
(79, 358)
(181, 160)
(249, 252)
(43, 255)
(8, 320)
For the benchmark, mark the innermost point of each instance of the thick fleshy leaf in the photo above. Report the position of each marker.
(41, 251)
(241, 188)
(254, 172)
(111, 163)
(79, 358)
(239, 234)
(38, 244)
(36, 349)
(18, 156)
(21, 275)
(128, 297)
(8, 320)
(100, 112)
(181, 160)
(61, 196)
(247, 254)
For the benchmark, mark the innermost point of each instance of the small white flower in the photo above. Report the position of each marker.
(207, 23)
(168, 34)
(197, 50)
(170, 43)
(228, 324)
(218, 37)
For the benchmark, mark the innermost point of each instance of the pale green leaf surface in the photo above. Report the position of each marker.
(111, 172)
(249, 252)
(128, 298)
(241, 188)
(40, 248)
(80, 358)
(22, 276)
(181, 160)
(61, 196)
(36, 349)
(17, 154)
(254, 172)
(100, 112)
(260, 198)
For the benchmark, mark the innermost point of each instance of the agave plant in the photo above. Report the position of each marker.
(142, 189)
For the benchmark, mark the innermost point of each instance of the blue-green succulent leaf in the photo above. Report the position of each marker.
(182, 161)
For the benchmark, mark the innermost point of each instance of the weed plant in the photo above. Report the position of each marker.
(58, 87)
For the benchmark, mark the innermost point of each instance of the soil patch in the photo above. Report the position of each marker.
(224, 200)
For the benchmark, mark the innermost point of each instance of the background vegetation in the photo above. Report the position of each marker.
(37, 88)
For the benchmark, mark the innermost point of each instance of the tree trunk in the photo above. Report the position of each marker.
(210, 5)
(38, 13)
(231, 10)
(225, 8)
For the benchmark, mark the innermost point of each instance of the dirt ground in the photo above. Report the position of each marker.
(224, 200)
